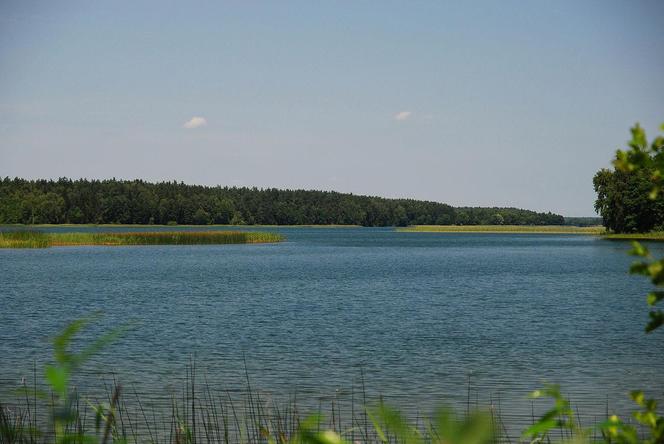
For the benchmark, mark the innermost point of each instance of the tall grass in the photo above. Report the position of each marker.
(204, 413)
(23, 239)
(652, 236)
(201, 412)
(36, 239)
(59, 413)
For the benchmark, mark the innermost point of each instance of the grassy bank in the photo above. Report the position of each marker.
(37, 239)
(656, 236)
(535, 229)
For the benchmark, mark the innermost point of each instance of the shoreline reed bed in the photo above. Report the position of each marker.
(534, 229)
(654, 236)
(200, 412)
(59, 410)
(38, 239)
(24, 239)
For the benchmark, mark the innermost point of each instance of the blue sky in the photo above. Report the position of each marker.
(510, 103)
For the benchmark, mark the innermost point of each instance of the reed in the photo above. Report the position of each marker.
(23, 239)
(206, 413)
(534, 229)
(36, 239)
(655, 236)
(58, 412)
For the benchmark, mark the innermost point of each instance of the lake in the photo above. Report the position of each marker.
(420, 317)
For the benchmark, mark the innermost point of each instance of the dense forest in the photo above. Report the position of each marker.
(627, 198)
(583, 221)
(138, 202)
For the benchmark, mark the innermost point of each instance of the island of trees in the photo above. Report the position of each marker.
(138, 202)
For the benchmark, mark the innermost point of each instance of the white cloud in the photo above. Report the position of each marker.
(195, 122)
(403, 115)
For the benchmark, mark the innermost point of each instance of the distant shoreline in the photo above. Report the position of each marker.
(83, 201)
(600, 231)
(507, 229)
(597, 230)
(176, 226)
(655, 236)
(542, 229)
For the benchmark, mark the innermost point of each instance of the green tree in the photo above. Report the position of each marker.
(222, 211)
(237, 219)
(201, 217)
(627, 197)
(399, 217)
(497, 219)
(139, 202)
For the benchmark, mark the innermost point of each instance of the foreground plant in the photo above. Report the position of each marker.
(647, 159)
(64, 417)
(619, 432)
(654, 270)
(559, 417)
(388, 425)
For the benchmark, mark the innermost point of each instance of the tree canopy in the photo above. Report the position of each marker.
(139, 202)
(627, 198)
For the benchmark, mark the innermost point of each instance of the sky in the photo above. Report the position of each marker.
(484, 103)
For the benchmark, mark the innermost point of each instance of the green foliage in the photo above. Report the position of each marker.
(645, 161)
(497, 219)
(387, 420)
(138, 202)
(624, 203)
(583, 221)
(500, 216)
(444, 428)
(629, 198)
(308, 433)
(654, 270)
(559, 417)
(202, 217)
(614, 430)
(389, 425)
(64, 416)
(619, 432)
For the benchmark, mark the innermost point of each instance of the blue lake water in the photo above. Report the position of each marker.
(418, 314)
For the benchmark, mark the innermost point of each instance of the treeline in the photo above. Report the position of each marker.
(626, 197)
(583, 221)
(139, 202)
